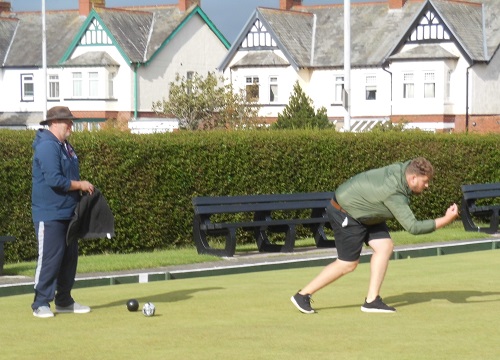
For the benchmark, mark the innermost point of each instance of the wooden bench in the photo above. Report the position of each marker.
(4, 239)
(474, 206)
(260, 214)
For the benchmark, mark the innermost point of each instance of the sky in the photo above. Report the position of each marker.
(229, 16)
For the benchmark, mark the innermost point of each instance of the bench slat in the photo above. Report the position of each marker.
(262, 223)
(256, 207)
(268, 198)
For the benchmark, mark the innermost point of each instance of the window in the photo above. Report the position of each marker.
(189, 78)
(448, 85)
(371, 87)
(27, 87)
(408, 86)
(111, 91)
(93, 84)
(429, 85)
(273, 89)
(77, 84)
(339, 89)
(252, 88)
(53, 86)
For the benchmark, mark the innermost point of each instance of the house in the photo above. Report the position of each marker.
(103, 63)
(433, 64)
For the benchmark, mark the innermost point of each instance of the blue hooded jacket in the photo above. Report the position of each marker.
(55, 164)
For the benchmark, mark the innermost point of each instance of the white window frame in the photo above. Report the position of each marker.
(448, 85)
(77, 79)
(408, 85)
(252, 82)
(338, 85)
(371, 87)
(111, 84)
(27, 87)
(429, 85)
(93, 77)
(273, 89)
(53, 87)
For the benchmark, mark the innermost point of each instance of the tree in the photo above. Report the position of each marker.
(203, 103)
(300, 113)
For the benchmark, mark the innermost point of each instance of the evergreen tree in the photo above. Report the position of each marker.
(300, 113)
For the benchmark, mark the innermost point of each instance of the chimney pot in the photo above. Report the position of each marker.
(288, 4)
(4, 7)
(396, 4)
(86, 5)
(186, 4)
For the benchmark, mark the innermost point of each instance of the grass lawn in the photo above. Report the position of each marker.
(116, 262)
(447, 309)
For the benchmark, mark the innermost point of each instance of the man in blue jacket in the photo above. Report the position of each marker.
(56, 191)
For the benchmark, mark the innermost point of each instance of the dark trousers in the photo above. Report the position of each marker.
(56, 266)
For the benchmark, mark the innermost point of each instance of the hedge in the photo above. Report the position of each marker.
(149, 180)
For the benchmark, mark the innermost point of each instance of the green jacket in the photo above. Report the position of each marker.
(377, 195)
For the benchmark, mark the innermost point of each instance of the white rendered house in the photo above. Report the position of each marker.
(432, 64)
(103, 63)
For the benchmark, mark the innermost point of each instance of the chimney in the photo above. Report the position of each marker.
(288, 4)
(86, 5)
(4, 7)
(396, 4)
(186, 4)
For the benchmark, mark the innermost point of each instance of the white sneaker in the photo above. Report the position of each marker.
(43, 312)
(74, 308)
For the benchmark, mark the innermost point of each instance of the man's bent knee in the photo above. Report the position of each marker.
(347, 266)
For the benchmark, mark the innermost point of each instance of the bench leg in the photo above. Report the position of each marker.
(321, 239)
(202, 246)
(467, 218)
(2, 258)
(289, 239)
(263, 243)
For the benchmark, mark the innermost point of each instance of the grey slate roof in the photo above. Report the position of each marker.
(26, 42)
(426, 51)
(138, 31)
(313, 36)
(263, 58)
(92, 58)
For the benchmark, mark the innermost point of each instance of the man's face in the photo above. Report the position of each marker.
(418, 183)
(62, 128)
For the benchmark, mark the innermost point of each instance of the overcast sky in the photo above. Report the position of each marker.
(228, 15)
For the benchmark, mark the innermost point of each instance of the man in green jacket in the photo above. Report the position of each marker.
(357, 216)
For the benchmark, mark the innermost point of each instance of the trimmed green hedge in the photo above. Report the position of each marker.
(149, 180)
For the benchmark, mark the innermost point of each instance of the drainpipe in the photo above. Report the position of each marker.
(467, 98)
(135, 90)
(390, 74)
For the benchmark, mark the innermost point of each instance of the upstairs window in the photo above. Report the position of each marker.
(27, 87)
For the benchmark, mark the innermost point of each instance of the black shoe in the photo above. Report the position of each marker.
(303, 303)
(378, 306)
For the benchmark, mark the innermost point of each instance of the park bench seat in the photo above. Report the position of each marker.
(480, 202)
(273, 213)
